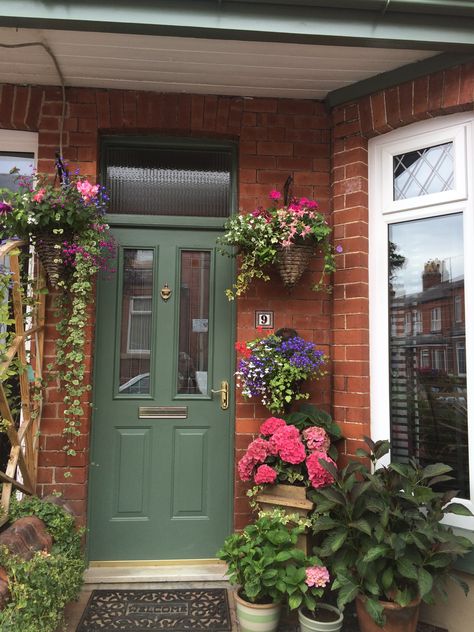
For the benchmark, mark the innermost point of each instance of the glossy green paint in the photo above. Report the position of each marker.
(161, 488)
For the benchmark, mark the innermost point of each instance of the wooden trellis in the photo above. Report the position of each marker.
(21, 470)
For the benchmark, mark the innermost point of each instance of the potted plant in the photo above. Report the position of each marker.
(284, 460)
(381, 535)
(272, 368)
(265, 564)
(282, 235)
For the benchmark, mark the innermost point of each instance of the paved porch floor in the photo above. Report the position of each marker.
(178, 576)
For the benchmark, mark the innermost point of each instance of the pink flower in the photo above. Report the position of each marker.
(317, 576)
(39, 196)
(271, 425)
(318, 476)
(258, 450)
(275, 195)
(245, 468)
(87, 190)
(265, 474)
(317, 439)
(287, 444)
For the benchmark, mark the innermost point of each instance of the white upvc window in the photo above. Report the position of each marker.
(139, 325)
(421, 219)
(417, 322)
(436, 319)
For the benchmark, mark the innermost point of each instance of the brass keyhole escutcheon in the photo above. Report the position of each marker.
(165, 292)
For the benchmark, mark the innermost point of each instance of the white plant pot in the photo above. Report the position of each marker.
(310, 625)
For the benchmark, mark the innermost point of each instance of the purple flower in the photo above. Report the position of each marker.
(339, 248)
(5, 208)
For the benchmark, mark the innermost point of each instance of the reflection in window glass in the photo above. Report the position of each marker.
(428, 401)
(135, 335)
(193, 352)
(424, 171)
(24, 162)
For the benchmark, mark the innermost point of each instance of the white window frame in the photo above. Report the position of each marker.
(383, 211)
(458, 308)
(140, 312)
(436, 319)
(459, 346)
(417, 322)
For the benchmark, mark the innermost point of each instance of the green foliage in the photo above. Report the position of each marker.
(264, 561)
(42, 586)
(381, 534)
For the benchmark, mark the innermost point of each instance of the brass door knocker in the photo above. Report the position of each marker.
(165, 292)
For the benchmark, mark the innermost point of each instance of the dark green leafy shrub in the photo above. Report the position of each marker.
(381, 534)
(42, 586)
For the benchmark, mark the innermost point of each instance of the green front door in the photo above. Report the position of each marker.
(161, 456)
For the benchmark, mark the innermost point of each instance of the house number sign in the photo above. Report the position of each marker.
(264, 319)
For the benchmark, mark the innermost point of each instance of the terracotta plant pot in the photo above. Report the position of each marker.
(398, 618)
(254, 617)
(330, 621)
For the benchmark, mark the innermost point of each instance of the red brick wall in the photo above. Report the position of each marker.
(276, 138)
(353, 124)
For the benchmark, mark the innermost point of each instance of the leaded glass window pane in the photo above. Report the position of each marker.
(424, 171)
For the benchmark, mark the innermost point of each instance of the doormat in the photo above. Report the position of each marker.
(143, 610)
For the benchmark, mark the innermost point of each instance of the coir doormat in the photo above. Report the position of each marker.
(143, 610)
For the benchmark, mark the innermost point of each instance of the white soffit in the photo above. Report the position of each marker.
(192, 65)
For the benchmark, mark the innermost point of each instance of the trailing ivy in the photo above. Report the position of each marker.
(42, 586)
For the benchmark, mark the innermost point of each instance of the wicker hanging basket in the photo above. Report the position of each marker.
(292, 261)
(48, 247)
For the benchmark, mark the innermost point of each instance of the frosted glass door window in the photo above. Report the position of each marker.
(428, 390)
(135, 337)
(169, 181)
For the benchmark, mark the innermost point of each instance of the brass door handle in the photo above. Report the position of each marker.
(224, 391)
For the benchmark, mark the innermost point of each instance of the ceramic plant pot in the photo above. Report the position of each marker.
(398, 618)
(325, 618)
(254, 617)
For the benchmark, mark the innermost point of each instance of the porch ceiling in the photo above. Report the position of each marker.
(194, 65)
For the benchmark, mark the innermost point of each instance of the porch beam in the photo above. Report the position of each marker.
(385, 80)
(255, 21)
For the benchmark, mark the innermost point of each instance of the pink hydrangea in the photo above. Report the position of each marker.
(318, 476)
(271, 425)
(265, 474)
(286, 442)
(317, 576)
(258, 450)
(317, 439)
(245, 467)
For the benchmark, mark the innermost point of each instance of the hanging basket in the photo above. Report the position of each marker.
(292, 261)
(48, 248)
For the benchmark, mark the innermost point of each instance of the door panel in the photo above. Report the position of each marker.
(161, 470)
